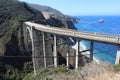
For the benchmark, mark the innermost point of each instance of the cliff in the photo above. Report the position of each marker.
(12, 15)
(56, 15)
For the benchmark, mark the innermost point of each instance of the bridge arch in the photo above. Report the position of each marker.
(27, 39)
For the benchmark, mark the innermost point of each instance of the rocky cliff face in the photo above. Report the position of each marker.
(57, 18)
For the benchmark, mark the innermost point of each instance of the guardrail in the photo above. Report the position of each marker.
(77, 33)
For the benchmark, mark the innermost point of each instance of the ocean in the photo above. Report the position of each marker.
(111, 25)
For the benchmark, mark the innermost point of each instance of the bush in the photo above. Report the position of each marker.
(12, 14)
(102, 71)
(117, 67)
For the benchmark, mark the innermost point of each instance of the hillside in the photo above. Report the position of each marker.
(57, 14)
(12, 15)
(91, 71)
(45, 8)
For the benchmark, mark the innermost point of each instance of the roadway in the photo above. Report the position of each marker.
(94, 36)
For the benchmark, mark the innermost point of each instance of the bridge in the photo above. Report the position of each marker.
(34, 29)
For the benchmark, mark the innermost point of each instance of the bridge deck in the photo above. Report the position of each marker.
(106, 38)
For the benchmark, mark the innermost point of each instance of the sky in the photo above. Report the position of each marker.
(82, 7)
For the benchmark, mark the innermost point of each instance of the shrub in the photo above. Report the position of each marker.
(117, 67)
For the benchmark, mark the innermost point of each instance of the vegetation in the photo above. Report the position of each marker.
(12, 15)
(49, 73)
(92, 71)
(29, 76)
(117, 67)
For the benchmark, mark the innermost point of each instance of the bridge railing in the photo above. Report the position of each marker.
(86, 32)
(81, 33)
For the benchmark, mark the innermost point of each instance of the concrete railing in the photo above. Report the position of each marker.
(100, 37)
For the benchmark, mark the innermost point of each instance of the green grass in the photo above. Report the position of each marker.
(29, 76)
(50, 72)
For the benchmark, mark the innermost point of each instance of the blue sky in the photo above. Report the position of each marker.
(82, 7)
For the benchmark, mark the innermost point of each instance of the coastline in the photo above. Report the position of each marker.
(83, 47)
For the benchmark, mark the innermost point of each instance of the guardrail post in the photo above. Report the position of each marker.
(44, 52)
(55, 52)
(77, 54)
(118, 55)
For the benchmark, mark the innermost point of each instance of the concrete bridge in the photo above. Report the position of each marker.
(34, 29)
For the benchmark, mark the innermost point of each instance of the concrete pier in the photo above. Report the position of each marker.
(36, 50)
(91, 50)
(55, 52)
(33, 52)
(118, 55)
(68, 56)
(44, 52)
(77, 54)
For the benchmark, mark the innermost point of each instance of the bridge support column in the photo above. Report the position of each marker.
(25, 37)
(55, 52)
(33, 52)
(91, 50)
(36, 50)
(68, 56)
(118, 55)
(77, 54)
(44, 52)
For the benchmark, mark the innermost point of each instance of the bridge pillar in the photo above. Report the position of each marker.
(36, 50)
(77, 53)
(25, 35)
(55, 52)
(33, 52)
(68, 56)
(118, 55)
(44, 52)
(91, 50)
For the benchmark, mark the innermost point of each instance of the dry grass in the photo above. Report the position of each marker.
(92, 72)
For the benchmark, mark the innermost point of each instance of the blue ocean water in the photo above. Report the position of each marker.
(111, 25)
